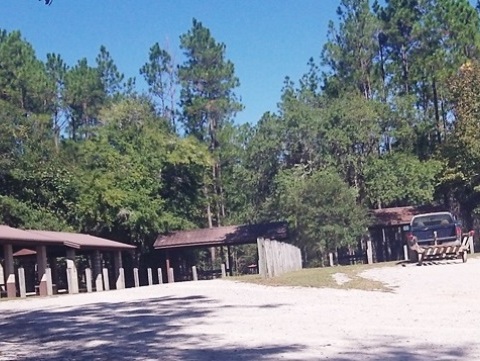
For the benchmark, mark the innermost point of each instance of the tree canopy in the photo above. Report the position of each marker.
(388, 115)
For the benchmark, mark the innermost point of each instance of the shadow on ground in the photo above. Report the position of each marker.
(157, 329)
(152, 329)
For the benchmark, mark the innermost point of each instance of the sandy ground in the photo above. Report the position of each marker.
(432, 314)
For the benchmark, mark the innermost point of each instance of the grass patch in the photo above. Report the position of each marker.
(324, 278)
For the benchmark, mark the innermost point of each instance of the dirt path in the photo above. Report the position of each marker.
(433, 314)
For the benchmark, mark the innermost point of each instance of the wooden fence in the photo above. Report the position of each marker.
(275, 258)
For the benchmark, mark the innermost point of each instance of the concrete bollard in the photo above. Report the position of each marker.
(149, 276)
(106, 279)
(224, 270)
(71, 288)
(330, 259)
(99, 283)
(120, 284)
(160, 276)
(48, 272)
(88, 279)
(21, 282)
(194, 273)
(171, 276)
(135, 277)
(405, 252)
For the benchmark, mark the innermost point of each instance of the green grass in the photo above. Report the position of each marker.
(323, 278)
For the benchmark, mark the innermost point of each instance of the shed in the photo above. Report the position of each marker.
(387, 229)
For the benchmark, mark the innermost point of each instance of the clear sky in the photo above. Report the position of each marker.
(266, 39)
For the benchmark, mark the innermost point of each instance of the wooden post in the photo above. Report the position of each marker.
(194, 273)
(88, 279)
(160, 276)
(150, 277)
(369, 252)
(41, 268)
(119, 271)
(135, 277)
(229, 261)
(106, 279)
(9, 271)
(21, 282)
(72, 275)
(97, 270)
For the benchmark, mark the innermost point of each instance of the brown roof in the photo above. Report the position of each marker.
(398, 216)
(69, 239)
(84, 241)
(24, 252)
(226, 235)
(23, 237)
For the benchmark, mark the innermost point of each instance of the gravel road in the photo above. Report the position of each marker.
(433, 313)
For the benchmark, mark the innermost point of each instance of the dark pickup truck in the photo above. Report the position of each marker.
(438, 228)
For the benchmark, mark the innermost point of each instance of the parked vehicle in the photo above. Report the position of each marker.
(440, 228)
(437, 236)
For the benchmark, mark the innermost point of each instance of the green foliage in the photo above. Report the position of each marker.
(320, 208)
(401, 179)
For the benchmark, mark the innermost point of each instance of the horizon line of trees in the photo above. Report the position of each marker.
(393, 121)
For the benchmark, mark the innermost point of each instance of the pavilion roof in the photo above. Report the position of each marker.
(226, 235)
(19, 237)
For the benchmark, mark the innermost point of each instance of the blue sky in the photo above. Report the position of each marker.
(265, 39)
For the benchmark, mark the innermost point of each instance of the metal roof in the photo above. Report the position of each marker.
(398, 216)
(226, 235)
(84, 241)
(74, 240)
(20, 236)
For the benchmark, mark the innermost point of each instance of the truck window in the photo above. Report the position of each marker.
(433, 220)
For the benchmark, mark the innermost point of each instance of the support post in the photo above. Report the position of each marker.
(72, 275)
(135, 277)
(41, 270)
(224, 271)
(48, 272)
(229, 261)
(21, 282)
(97, 270)
(405, 252)
(9, 271)
(119, 271)
(194, 273)
(88, 279)
(330, 259)
(150, 276)
(171, 276)
(160, 276)
(106, 280)
(2, 280)
(369, 252)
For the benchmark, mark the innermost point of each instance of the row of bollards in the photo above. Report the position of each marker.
(101, 280)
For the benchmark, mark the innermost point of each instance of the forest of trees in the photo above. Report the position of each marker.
(389, 115)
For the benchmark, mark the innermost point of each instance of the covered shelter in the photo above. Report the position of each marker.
(47, 246)
(225, 236)
(387, 231)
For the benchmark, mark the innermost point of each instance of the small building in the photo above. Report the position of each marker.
(387, 231)
(174, 244)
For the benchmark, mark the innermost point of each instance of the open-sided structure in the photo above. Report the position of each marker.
(47, 246)
(219, 236)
